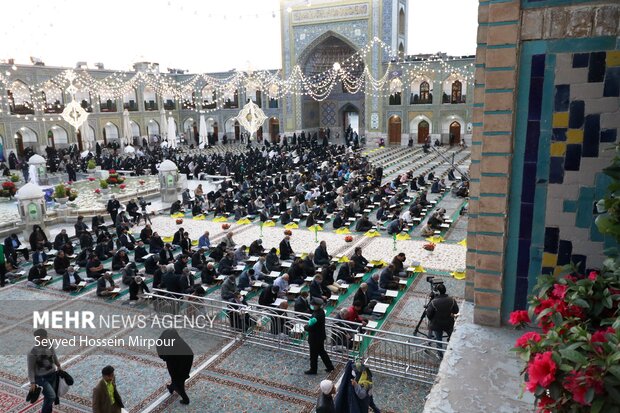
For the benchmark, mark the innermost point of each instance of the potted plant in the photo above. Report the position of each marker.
(14, 178)
(429, 247)
(8, 189)
(71, 193)
(105, 187)
(114, 178)
(91, 166)
(60, 195)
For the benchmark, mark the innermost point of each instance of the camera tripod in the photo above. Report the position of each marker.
(417, 331)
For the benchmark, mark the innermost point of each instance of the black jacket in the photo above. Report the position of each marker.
(440, 311)
(316, 331)
(325, 404)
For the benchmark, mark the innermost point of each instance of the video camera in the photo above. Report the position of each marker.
(143, 203)
(434, 284)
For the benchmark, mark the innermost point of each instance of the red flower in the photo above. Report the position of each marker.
(91, 179)
(592, 276)
(122, 186)
(571, 278)
(179, 221)
(578, 383)
(545, 404)
(559, 290)
(112, 171)
(97, 191)
(519, 317)
(70, 183)
(526, 338)
(541, 371)
(348, 238)
(600, 336)
(225, 226)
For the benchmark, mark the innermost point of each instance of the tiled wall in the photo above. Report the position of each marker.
(545, 113)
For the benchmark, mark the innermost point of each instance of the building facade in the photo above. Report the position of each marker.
(431, 99)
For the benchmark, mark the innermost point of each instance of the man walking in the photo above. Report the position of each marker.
(105, 396)
(316, 337)
(42, 366)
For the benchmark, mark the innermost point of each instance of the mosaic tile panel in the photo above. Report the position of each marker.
(567, 141)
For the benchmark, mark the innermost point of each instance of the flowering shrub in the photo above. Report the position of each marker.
(573, 364)
(429, 247)
(103, 184)
(114, 178)
(8, 189)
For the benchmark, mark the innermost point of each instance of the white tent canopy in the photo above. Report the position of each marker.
(163, 124)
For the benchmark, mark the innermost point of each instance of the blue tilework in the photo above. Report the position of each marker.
(527, 218)
(584, 207)
(611, 86)
(562, 98)
(565, 250)
(552, 239)
(581, 60)
(532, 137)
(572, 160)
(609, 135)
(596, 67)
(570, 206)
(556, 170)
(558, 134)
(591, 136)
(576, 114)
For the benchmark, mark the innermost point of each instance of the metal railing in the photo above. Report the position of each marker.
(390, 353)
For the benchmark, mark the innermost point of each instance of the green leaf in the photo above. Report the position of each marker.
(574, 356)
(580, 302)
(613, 392)
(597, 405)
(615, 370)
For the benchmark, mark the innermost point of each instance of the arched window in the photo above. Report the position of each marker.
(168, 99)
(401, 22)
(231, 99)
(188, 100)
(83, 98)
(401, 49)
(425, 92)
(208, 97)
(107, 103)
(150, 98)
(54, 101)
(130, 101)
(456, 91)
(20, 101)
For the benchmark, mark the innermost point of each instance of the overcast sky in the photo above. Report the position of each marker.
(199, 35)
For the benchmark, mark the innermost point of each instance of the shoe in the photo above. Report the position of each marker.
(170, 389)
(309, 372)
(184, 401)
(329, 369)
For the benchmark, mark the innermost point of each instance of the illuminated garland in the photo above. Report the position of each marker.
(198, 91)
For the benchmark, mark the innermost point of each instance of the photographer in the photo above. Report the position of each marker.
(441, 311)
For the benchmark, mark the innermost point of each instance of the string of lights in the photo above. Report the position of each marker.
(208, 93)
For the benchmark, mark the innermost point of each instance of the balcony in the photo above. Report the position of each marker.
(169, 105)
(150, 105)
(131, 106)
(108, 106)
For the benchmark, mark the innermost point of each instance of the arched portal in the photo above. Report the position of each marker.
(394, 130)
(274, 128)
(329, 53)
(455, 133)
(423, 131)
(25, 137)
(350, 116)
(152, 127)
(110, 132)
(57, 136)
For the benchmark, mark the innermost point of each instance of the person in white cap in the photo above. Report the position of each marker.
(325, 402)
